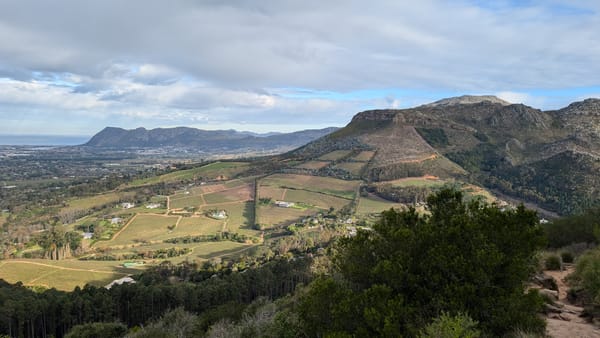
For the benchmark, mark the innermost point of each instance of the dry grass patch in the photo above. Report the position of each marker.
(241, 193)
(271, 215)
(318, 200)
(62, 275)
(313, 165)
(364, 156)
(374, 204)
(328, 185)
(352, 167)
(335, 155)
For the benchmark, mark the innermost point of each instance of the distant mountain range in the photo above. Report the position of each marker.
(210, 141)
(551, 158)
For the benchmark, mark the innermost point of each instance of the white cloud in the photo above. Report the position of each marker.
(147, 62)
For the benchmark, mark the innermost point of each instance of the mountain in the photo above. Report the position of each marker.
(202, 140)
(551, 158)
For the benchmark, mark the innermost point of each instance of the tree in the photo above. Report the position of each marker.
(469, 258)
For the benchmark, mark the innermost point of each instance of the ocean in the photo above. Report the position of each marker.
(42, 140)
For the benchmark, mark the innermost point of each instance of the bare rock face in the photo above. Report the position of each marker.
(468, 99)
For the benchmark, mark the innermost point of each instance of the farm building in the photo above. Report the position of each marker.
(218, 214)
(127, 205)
(153, 206)
(116, 220)
(284, 204)
(120, 281)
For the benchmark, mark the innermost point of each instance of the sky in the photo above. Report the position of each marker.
(73, 67)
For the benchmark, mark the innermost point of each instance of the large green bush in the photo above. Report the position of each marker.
(464, 258)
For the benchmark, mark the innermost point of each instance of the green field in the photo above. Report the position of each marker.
(417, 182)
(321, 201)
(97, 200)
(364, 156)
(370, 205)
(352, 167)
(145, 228)
(222, 170)
(187, 201)
(327, 185)
(62, 275)
(272, 215)
(335, 155)
(313, 165)
(200, 225)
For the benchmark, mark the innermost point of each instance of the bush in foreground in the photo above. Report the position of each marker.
(464, 258)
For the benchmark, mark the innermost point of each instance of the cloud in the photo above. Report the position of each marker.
(232, 62)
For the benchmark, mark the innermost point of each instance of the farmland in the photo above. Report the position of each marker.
(373, 204)
(62, 275)
(313, 165)
(335, 155)
(352, 167)
(212, 171)
(363, 156)
(144, 228)
(97, 201)
(329, 185)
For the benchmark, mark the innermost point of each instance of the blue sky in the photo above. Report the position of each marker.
(73, 67)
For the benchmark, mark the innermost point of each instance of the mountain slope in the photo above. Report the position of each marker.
(204, 140)
(551, 158)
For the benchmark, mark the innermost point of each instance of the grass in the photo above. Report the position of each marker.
(424, 181)
(188, 201)
(223, 170)
(144, 228)
(364, 156)
(62, 275)
(313, 165)
(275, 194)
(352, 167)
(319, 200)
(272, 215)
(371, 205)
(329, 185)
(200, 225)
(97, 200)
(335, 155)
(3, 217)
(241, 193)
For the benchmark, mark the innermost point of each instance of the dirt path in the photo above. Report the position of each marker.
(283, 194)
(569, 324)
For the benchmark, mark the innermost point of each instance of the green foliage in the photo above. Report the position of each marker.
(553, 262)
(434, 136)
(581, 228)
(447, 326)
(175, 323)
(587, 275)
(469, 258)
(567, 257)
(97, 330)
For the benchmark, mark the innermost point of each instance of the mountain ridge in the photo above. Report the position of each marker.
(190, 138)
(548, 157)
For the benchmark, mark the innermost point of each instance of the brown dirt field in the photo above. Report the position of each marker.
(207, 189)
(313, 165)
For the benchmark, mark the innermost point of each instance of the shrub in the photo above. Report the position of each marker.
(447, 326)
(566, 257)
(553, 262)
